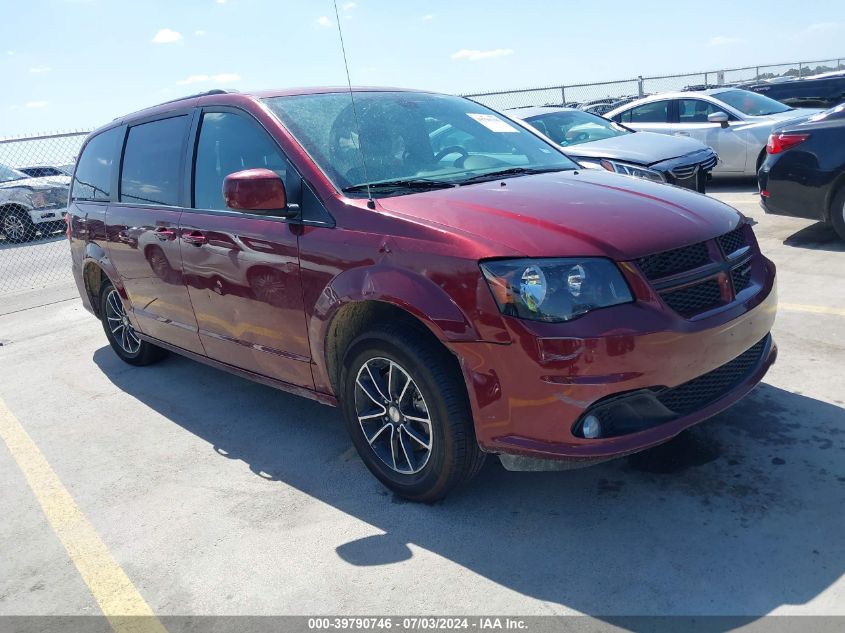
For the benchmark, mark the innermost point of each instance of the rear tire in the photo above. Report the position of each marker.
(17, 226)
(385, 414)
(837, 212)
(122, 336)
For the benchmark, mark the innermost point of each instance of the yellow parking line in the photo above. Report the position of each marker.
(121, 603)
(799, 307)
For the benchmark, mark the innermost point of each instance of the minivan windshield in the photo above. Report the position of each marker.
(7, 174)
(411, 141)
(573, 127)
(751, 103)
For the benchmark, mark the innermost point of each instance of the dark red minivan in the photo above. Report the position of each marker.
(452, 281)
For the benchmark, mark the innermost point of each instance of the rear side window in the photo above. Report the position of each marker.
(93, 177)
(151, 162)
(655, 112)
(229, 143)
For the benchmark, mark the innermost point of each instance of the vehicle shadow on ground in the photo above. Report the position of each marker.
(741, 515)
(818, 237)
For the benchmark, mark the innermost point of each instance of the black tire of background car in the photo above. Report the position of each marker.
(147, 353)
(21, 214)
(455, 455)
(837, 211)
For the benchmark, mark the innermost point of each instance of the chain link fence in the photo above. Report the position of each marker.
(34, 181)
(35, 171)
(604, 96)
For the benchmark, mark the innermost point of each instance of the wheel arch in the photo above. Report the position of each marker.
(355, 318)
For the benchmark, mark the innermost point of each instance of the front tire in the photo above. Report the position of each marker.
(407, 411)
(122, 336)
(18, 226)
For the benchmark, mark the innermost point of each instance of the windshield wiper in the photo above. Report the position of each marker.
(405, 183)
(511, 171)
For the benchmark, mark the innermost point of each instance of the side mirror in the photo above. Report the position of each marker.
(718, 117)
(257, 190)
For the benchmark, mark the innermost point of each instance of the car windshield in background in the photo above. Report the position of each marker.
(7, 174)
(751, 103)
(575, 126)
(836, 112)
(411, 141)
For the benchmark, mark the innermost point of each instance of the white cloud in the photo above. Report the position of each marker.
(167, 36)
(723, 40)
(219, 78)
(226, 77)
(193, 79)
(199, 32)
(324, 21)
(427, 17)
(40, 69)
(474, 55)
(35, 104)
(221, 1)
(349, 6)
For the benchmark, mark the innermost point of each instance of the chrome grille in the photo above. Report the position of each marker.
(682, 172)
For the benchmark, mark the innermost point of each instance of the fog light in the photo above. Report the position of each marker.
(591, 428)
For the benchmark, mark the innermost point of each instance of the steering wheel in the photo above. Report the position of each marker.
(452, 149)
(580, 136)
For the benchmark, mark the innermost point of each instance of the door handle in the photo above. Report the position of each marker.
(164, 233)
(681, 133)
(192, 236)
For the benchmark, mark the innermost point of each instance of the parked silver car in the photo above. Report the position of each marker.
(736, 123)
(31, 205)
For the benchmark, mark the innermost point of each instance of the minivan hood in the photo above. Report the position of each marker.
(572, 213)
(642, 148)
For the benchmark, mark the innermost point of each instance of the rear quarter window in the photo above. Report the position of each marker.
(93, 177)
(152, 160)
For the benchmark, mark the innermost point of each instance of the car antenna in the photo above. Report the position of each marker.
(370, 202)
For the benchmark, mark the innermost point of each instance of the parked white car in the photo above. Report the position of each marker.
(31, 205)
(736, 123)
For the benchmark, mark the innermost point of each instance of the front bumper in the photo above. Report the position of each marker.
(48, 214)
(529, 397)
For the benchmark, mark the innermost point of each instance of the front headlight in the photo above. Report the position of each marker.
(624, 168)
(554, 289)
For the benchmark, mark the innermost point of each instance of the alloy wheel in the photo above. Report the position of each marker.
(14, 227)
(119, 326)
(393, 415)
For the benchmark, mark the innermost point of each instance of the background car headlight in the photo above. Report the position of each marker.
(624, 168)
(555, 289)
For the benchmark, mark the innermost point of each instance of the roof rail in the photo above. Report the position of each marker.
(207, 93)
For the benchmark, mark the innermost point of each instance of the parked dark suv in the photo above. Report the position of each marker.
(481, 295)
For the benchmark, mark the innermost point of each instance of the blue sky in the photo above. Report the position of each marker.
(69, 64)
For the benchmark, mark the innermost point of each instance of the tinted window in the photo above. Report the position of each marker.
(392, 136)
(655, 112)
(151, 162)
(92, 180)
(228, 143)
(750, 103)
(695, 110)
(573, 127)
